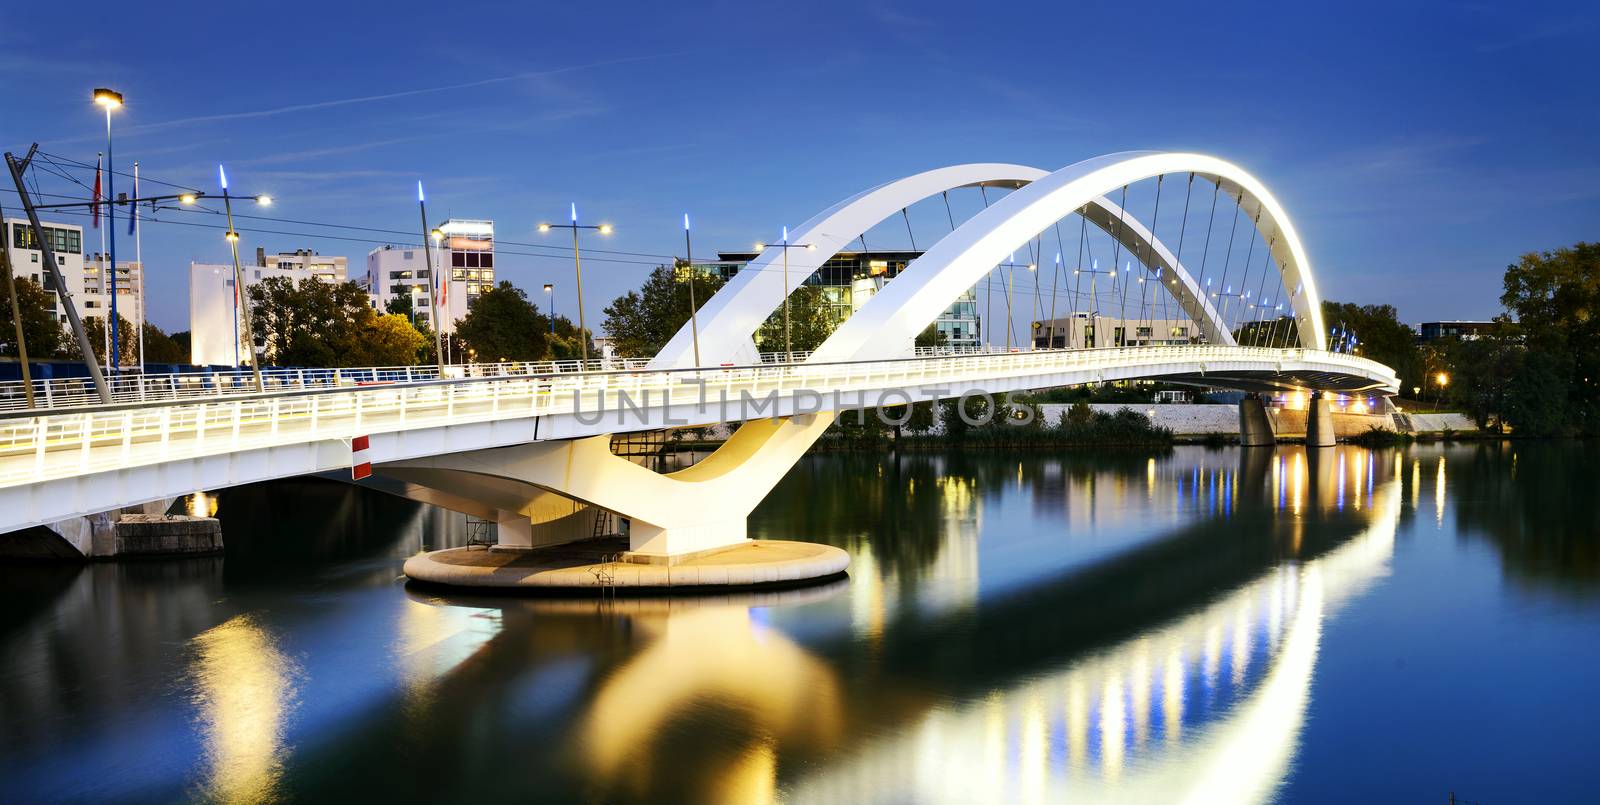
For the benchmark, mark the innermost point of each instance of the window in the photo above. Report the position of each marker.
(486, 260)
(410, 255)
(423, 274)
(457, 274)
(458, 259)
(1180, 332)
(1142, 332)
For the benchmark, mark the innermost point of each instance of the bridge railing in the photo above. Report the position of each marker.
(60, 444)
(133, 387)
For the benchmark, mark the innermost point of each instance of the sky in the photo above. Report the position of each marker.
(1419, 147)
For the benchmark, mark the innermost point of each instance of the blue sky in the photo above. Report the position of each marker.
(1420, 147)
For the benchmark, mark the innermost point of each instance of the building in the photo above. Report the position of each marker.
(849, 279)
(84, 275)
(214, 326)
(1463, 330)
(1084, 331)
(466, 251)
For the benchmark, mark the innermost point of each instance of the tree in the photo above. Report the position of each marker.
(504, 326)
(162, 348)
(390, 340)
(1482, 371)
(95, 328)
(1556, 299)
(45, 336)
(811, 321)
(641, 322)
(1380, 335)
(323, 324)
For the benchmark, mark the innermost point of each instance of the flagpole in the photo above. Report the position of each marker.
(138, 257)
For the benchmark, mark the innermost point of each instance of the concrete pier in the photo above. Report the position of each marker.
(1255, 429)
(601, 565)
(1319, 423)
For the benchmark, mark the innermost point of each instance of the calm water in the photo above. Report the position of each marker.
(1201, 625)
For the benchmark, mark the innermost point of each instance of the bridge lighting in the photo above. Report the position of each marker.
(760, 247)
(686, 222)
(420, 197)
(232, 236)
(544, 227)
(1033, 266)
(811, 247)
(186, 198)
(223, 176)
(437, 235)
(265, 201)
(605, 229)
(574, 212)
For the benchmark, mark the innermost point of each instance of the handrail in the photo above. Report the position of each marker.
(786, 368)
(55, 394)
(63, 444)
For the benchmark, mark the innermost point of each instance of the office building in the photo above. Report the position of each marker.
(466, 251)
(215, 334)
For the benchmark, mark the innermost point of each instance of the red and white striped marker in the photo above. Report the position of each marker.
(360, 464)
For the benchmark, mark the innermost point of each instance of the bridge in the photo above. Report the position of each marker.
(530, 447)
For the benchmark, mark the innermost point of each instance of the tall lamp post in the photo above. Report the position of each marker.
(52, 267)
(111, 99)
(688, 264)
(550, 305)
(238, 278)
(577, 268)
(433, 283)
(785, 245)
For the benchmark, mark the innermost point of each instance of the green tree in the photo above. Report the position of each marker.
(95, 328)
(1482, 371)
(641, 322)
(315, 323)
(45, 335)
(811, 321)
(162, 348)
(1556, 298)
(504, 325)
(1381, 336)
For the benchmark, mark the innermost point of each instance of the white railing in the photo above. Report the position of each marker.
(132, 387)
(63, 444)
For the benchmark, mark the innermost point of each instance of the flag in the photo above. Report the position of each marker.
(97, 192)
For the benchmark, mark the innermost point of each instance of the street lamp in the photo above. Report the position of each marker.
(785, 245)
(232, 237)
(550, 305)
(433, 282)
(577, 268)
(688, 264)
(111, 99)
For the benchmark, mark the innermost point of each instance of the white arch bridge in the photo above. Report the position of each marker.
(532, 451)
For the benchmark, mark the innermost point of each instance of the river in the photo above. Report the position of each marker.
(1206, 625)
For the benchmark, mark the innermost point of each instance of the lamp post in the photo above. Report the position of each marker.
(238, 277)
(688, 264)
(52, 266)
(785, 245)
(111, 99)
(414, 289)
(1440, 380)
(433, 283)
(577, 268)
(550, 305)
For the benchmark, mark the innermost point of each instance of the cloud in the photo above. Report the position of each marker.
(386, 96)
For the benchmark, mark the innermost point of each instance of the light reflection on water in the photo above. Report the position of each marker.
(1129, 628)
(244, 694)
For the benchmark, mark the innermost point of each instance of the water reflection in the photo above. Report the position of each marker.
(244, 692)
(1034, 628)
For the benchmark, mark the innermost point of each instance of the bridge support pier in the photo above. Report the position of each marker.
(1319, 423)
(1255, 429)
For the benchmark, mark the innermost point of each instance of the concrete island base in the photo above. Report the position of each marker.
(593, 565)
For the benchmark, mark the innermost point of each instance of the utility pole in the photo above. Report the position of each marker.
(53, 270)
(16, 317)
